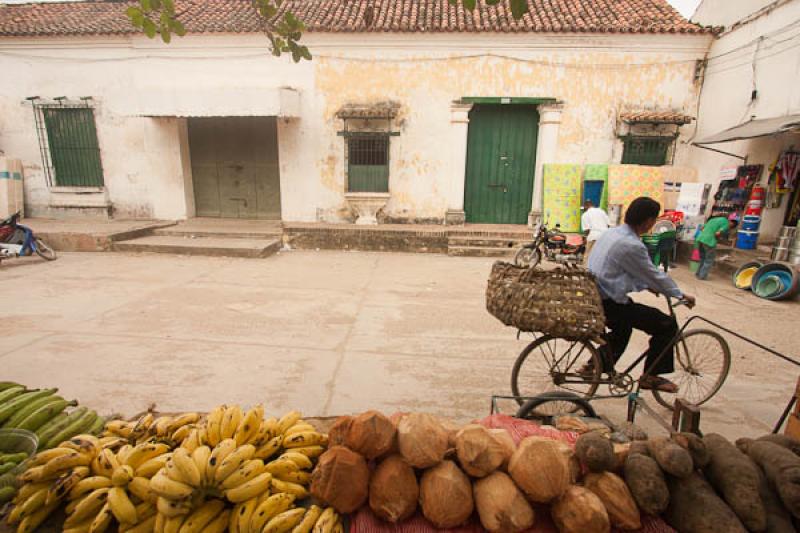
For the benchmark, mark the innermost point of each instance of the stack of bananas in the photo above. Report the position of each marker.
(147, 427)
(51, 475)
(43, 412)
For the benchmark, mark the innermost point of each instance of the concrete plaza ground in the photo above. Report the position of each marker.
(328, 333)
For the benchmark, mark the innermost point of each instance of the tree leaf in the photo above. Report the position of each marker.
(177, 27)
(165, 35)
(146, 6)
(156, 4)
(136, 16)
(519, 8)
(468, 4)
(169, 6)
(452, 2)
(492, 2)
(149, 28)
(306, 53)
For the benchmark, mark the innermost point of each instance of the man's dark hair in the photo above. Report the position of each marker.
(733, 221)
(641, 210)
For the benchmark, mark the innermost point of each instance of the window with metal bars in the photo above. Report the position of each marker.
(651, 151)
(68, 143)
(367, 163)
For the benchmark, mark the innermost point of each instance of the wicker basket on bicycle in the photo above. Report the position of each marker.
(563, 302)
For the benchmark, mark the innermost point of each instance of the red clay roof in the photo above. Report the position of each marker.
(237, 16)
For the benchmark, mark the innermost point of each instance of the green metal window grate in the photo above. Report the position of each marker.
(368, 163)
(652, 151)
(68, 143)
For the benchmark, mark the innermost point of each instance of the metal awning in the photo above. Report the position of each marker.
(754, 128)
(216, 102)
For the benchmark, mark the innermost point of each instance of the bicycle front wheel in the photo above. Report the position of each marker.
(702, 363)
(551, 364)
(44, 251)
(527, 257)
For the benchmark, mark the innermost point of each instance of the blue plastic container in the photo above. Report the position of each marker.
(751, 223)
(746, 240)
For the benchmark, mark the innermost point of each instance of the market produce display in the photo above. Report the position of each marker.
(232, 470)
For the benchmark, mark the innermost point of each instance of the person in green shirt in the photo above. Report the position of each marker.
(715, 228)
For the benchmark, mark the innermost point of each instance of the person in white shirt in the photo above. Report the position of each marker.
(594, 222)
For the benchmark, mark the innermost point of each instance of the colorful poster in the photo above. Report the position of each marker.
(562, 196)
(628, 182)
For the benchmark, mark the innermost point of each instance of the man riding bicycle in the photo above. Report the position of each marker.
(621, 264)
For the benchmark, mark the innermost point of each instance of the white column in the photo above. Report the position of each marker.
(459, 127)
(546, 148)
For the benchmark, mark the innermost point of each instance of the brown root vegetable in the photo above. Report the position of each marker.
(337, 435)
(507, 442)
(782, 440)
(445, 495)
(579, 510)
(501, 505)
(646, 483)
(393, 490)
(782, 468)
(421, 440)
(632, 431)
(694, 507)
(341, 479)
(541, 468)
(621, 452)
(479, 453)
(672, 459)
(595, 451)
(639, 446)
(779, 520)
(617, 499)
(695, 446)
(736, 478)
(371, 434)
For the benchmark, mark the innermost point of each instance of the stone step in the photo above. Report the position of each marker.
(211, 246)
(219, 233)
(479, 251)
(489, 242)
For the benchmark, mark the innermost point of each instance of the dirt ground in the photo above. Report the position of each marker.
(328, 333)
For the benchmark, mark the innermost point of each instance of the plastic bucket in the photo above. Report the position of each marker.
(751, 223)
(16, 441)
(694, 266)
(746, 240)
(758, 194)
(783, 274)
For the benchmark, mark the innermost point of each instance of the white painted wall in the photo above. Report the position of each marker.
(144, 158)
(764, 55)
(727, 12)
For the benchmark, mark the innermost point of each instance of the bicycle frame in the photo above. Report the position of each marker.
(26, 247)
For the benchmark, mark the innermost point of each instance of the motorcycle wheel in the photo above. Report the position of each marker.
(44, 251)
(527, 257)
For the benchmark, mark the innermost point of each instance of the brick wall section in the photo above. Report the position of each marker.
(373, 239)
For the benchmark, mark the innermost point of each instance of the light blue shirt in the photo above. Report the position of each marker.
(621, 264)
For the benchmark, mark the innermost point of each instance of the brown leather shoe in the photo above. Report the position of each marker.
(658, 383)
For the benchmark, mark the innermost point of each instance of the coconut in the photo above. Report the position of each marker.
(445, 495)
(452, 430)
(616, 498)
(337, 435)
(578, 510)
(422, 440)
(507, 442)
(371, 434)
(341, 479)
(479, 453)
(541, 468)
(393, 490)
(501, 505)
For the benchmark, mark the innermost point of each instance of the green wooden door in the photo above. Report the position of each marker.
(501, 157)
(235, 167)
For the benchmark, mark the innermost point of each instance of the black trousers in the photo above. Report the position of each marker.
(622, 319)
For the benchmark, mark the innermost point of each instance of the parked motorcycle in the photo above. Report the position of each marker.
(553, 245)
(17, 240)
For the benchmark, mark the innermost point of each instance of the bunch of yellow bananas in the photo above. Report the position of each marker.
(277, 513)
(148, 426)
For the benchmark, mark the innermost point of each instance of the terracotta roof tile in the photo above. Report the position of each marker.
(655, 117)
(237, 16)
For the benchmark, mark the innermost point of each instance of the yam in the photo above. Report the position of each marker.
(595, 451)
(507, 442)
(445, 495)
(646, 483)
(579, 510)
(540, 467)
(779, 520)
(616, 498)
(371, 434)
(672, 459)
(782, 468)
(337, 435)
(694, 507)
(695, 446)
(621, 452)
(341, 479)
(632, 431)
(393, 490)
(479, 453)
(421, 440)
(501, 505)
(639, 446)
(735, 477)
(782, 440)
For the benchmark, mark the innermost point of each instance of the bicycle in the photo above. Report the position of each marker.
(559, 366)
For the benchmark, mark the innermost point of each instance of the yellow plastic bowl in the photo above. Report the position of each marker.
(745, 278)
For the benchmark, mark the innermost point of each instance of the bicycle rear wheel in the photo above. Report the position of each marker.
(551, 364)
(44, 251)
(702, 363)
